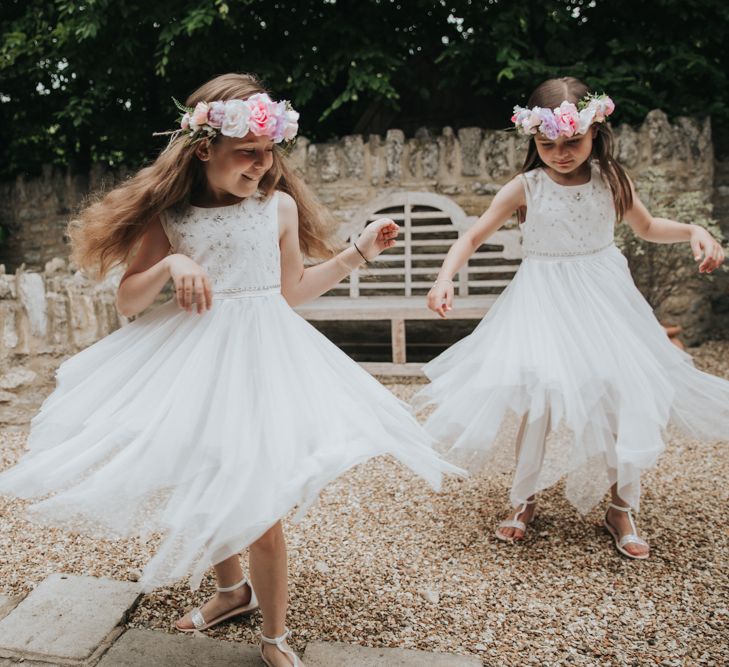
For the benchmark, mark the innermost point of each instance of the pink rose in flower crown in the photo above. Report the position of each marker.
(604, 106)
(185, 121)
(262, 120)
(216, 115)
(199, 116)
(567, 118)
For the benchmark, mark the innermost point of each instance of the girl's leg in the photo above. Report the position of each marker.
(621, 523)
(269, 576)
(527, 472)
(228, 573)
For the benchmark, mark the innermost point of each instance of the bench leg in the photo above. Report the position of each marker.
(398, 341)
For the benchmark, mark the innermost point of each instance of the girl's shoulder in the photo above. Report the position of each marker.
(531, 181)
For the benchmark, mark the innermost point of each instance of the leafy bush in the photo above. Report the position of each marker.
(85, 81)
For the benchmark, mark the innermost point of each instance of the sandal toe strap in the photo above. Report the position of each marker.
(513, 523)
(631, 538)
(197, 618)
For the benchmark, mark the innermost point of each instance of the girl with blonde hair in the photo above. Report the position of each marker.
(207, 419)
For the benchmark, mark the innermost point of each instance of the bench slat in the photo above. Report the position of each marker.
(419, 215)
(425, 270)
(432, 229)
(440, 256)
(387, 307)
(371, 286)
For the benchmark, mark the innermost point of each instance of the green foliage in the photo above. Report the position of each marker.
(90, 80)
(663, 269)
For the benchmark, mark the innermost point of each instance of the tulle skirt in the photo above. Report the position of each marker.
(570, 350)
(207, 429)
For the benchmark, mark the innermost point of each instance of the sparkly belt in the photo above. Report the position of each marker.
(246, 292)
(566, 255)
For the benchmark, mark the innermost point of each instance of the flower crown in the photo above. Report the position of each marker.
(566, 120)
(258, 114)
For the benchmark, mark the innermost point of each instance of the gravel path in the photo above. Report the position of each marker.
(382, 561)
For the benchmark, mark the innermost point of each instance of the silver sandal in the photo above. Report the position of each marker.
(515, 523)
(278, 643)
(629, 538)
(198, 621)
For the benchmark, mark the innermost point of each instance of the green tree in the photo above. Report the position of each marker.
(90, 80)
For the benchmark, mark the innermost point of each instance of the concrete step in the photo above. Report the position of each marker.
(67, 619)
(154, 647)
(72, 620)
(325, 654)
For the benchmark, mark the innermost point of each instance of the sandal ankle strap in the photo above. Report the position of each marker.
(620, 507)
(276, 641)
(228, 589)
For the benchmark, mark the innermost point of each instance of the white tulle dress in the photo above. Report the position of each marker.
(209, 428)
(571, 344)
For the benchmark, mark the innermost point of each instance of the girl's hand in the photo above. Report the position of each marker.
(377, 236)
(190, 281)
(704, 244)
(440, 297)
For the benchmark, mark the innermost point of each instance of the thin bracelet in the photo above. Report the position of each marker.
(367, 261)
(443, 280)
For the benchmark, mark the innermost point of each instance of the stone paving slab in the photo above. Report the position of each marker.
(66, 617)
(7, 605)
(323, 654)
(22, 662)
(160, 649)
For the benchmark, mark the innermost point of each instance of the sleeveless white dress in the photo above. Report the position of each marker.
(572, 344)
(209, 428)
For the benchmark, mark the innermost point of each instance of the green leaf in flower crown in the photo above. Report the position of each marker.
(181, 107)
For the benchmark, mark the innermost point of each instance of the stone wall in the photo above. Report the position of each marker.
(55, 311)
(468, 165)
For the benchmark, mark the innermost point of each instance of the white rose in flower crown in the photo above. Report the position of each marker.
(292, 124)
(235, 123)
(586, 116)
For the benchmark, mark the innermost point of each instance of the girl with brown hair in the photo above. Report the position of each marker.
(570, 345)
(207, 419)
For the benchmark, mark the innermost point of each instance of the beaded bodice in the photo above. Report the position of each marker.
(236, 245)
(567, 220)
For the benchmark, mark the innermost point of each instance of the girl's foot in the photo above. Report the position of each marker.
(226, 603)
(277, 653)
(620, 524)
(514, 527)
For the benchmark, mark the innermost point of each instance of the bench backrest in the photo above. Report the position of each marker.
(429, 223)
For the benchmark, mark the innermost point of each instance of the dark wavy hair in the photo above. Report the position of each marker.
(550, 94)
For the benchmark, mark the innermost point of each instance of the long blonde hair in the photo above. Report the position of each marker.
(106, 232)
(550, 94)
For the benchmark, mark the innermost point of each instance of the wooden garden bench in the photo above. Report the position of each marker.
(394, 288)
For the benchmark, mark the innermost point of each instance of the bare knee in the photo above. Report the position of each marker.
(272, 540)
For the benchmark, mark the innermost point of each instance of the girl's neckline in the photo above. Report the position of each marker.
(577, 185)
(218, 208)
